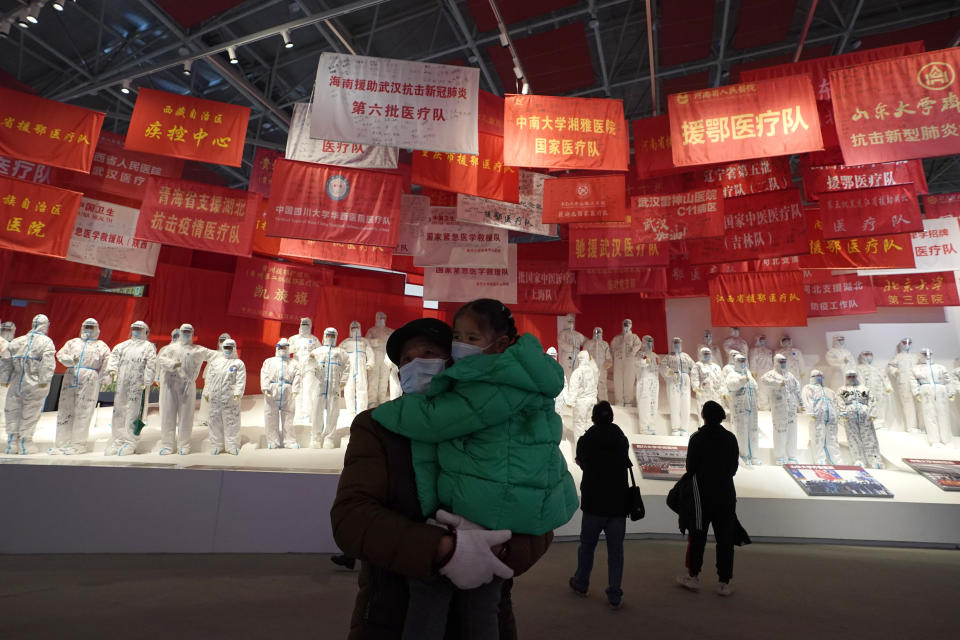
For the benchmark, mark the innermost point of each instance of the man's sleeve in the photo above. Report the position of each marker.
(524, 550)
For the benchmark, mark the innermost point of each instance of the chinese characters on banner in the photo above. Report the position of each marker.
(564, 133)
(874, 252)
(737, 122)
(261, 175)
(490, 118)
(652, 282)
(198, 216)
(395, 103)
(652, 147)
(414, 214)
(916, 290)
(545, 286)
(936, 248)
(898, 109)
(870, 212)
(103, 236)
(493, 213)
(24, 170)
(169, 124)
(614, 245)
(303, 148)
(773, 299)
(35, 218)
(685, 280)
(333, 204)
(585, 199)
(276, 290)
(339, 252)
(826, 179)
(482, 175)
(745, 178)
(463, 284)
(837, 295)
(678, 216)
(938, 206)
(446, 241)
(48, 132)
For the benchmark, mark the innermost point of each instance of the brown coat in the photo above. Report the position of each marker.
(376, 518)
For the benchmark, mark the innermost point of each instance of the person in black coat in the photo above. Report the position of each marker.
(712, 460)
(603, 453)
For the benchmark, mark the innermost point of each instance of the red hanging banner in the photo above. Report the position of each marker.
(737, 122)
(25, 170)
(898, 109)
(52, 133)
(544, 286)
(875, 252)
(744, 178)
(828, 178)
(843, 295)
(198, 216)
(275, 290)
(678, 216)
(490, 113)
(334, 204)
(942, 205)
(651, 282)
(917, 290)
(36, 218)
(774, 299)
(261, 176)
(652, 146)
(613, 245)
(584, 199)
(482, 175)
(880, 211)
(564, 133)
(170, 124)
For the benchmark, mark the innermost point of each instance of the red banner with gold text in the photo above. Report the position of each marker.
(651, 282)
(545, 286)
(261, 176)
(482, 175)
(678, 216)
(35, 218)
(828, 178)
(842, 295)
(771, 299)
(873, 252)
(744, 178)
(880, 211)
(614, 245)
(653, 147)
(917, 290)
(276, 290)
(584, 199)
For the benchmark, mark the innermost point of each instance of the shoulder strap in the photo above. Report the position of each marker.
(633, 482)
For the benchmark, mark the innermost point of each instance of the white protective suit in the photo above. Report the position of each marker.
(582, 395)
(647, 368)
(132, 365)
(26, 369)
(378, 381)
(761, 361)
(226, 380)
(569, 342)
(301, 344)
(900, 372)
(876, 381)
(330, 366)
(7, 333)
(855, 413)
(560, 402)
(716, 355)
(179, 366)
(782, 390)
(675, 369)
(204, 403)
(742, 389)
(599, 350)
(706, 379)
(820, 404)
(795, 361)
(362, 363)
(735, 342)
(624, 348)
(280, 382)
(86, 361)
(840, 360)
(394, 390)
(932, 387)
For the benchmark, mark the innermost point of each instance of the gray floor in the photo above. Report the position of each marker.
(783, 591)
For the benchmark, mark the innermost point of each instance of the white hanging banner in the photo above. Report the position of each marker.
(447, 242)
(103, 237)
(463, 284)
(414, 214)
(936, 248)
(396, 103)
(300, 146)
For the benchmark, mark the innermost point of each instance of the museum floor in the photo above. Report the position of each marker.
(783, 591)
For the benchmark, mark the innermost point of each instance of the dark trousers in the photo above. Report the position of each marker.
(724, 523)
(590, 527)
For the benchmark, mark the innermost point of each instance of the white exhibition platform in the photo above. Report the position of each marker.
(278, 501)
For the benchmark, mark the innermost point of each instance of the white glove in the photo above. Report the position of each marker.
(457, 522)
(473, 564)
(236, 397)
(266, 393)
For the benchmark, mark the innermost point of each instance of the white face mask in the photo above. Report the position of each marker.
(868, 358)
(136, 334)
(88, 333)
(460, 350)
(415, 376)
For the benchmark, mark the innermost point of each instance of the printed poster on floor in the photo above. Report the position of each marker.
(833, 481)
(103, 236)
(463, 284)
(303, 148)
(660, 461)
(943, 473)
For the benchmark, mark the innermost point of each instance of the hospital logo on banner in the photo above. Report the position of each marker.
(338, 188)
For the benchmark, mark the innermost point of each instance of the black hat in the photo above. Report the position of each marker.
(431, 328)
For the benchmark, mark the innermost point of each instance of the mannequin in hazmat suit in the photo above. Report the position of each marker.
(132, 366)
(378, 380)
(582, 395)
(735, 342)
(675, 368)
(624, 348)
(560, 402)
(761, 361)
(876, 381)
(647, 367)
(204, 403)
(26, 369)
(7, 331)
(782, 390)
(900, 372)
(86, 361)
(795, 362)
(716, 356)
(855, 413)
(301, 344)
(840, 360)
(179, 367)
(279, 383)
(706, 379)
(226, 380)
(174, 339)
(330, 366)
(599, 350)
(394, 390)
(362, 362)
(932, 388)
(820, 404)
(742, 388)
(569, 342)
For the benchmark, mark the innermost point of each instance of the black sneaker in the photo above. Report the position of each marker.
(615, 604)
(344, 561)
(582, 594)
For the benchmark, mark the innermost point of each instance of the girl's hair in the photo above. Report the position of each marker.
(490, 314)
(602, 413)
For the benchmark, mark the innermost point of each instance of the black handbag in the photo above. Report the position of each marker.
(634, 499)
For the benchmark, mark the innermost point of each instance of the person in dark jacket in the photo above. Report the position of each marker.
(712, 459)
(603, 453)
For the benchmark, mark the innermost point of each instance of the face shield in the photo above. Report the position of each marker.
(781, 363)
(7, 331)
(186, 334)
(785, 341)
(905, 345)
(330, 336)
(816, 377)
(705, 355)
(647, 343)
(677, 345)
(90, 329)
(740, 362)
(761, 341)
(866, 357)
(851, 378)
(926, 355)
(708, 336)
(838, 342)
(223, 338)
(354, 329)
(139, 330)
(229, 349)
(571, 321)
(627, 325)
(597, 333)
(381, 319)
(283, 349)
(306, 326)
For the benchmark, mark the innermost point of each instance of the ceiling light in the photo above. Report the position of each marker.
(58, 5)
(232, 52)
(22, 20)
(287, 43)
(187, 67)
(517, 71)
(33, 13)
(125, 87)
(526, 88)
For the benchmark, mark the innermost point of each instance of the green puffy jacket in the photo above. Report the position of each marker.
(485, 440)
